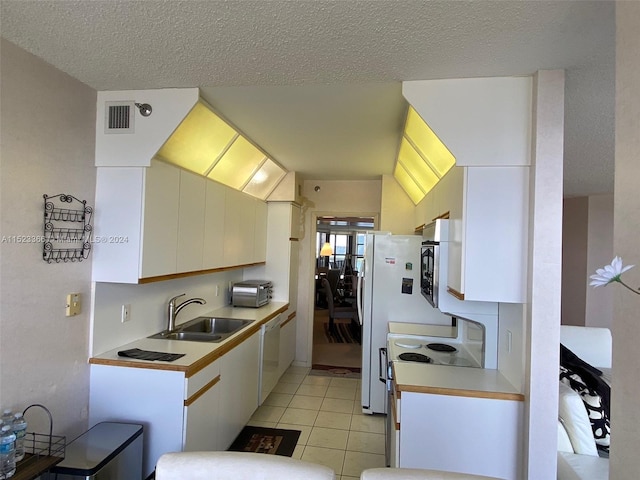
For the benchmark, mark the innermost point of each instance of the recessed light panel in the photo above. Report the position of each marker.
(422, 158)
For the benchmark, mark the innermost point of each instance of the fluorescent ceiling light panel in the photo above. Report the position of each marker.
(413, 162)
(426, 142)
(198, 141)
(422, 158)
(207, 145)
(408, 184)
(265, 179)
(238, 164)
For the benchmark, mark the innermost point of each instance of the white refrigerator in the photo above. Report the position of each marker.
(389, 292)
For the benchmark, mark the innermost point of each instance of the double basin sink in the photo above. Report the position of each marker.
(205, 329)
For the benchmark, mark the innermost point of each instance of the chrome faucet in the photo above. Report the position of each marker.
(173, 310)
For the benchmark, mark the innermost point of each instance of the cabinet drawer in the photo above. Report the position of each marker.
(202, 378)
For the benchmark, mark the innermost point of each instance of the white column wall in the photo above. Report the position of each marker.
(545, 269)
(625, 417)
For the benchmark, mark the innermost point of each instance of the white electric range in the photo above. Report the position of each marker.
(461, 345)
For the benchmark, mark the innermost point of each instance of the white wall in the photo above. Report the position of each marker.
(599, 301)
(358, 198)
(170, 106)
(545, 268)
(587, 244)
(511, 342)
(465, 112)
(575, 239)
(625, 415)
(148, 312)
(48, 135)
(397, 209)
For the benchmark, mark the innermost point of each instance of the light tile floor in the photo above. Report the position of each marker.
(327, 411)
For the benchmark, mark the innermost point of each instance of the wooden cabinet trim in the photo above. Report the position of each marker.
(518, 397)
(289, 318)
(201, 392)
(455, 293)
(191, 370)
(173, 276)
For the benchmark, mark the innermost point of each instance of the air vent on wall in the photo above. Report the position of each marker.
(119, 117)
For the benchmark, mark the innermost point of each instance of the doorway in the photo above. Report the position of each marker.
(339, 259)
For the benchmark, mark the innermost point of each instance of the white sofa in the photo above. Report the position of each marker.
(577, 453)
(255, 466)
(236, 466)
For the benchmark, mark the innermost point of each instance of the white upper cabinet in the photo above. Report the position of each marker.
(214, 228)
(161, 198)
(162, 220)
(260, 233)
(191, 222)
(488, 235)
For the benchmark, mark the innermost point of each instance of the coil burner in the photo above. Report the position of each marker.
(415, 357)
(441, 347)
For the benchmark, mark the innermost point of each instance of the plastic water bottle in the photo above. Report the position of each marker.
(7, 452)
(19, 430)
(7, 416)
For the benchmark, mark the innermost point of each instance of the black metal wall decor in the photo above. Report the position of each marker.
(67, 229)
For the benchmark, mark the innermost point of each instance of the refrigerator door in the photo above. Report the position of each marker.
(391, 292)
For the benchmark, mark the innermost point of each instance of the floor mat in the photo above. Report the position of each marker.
(331, 371)
(272, 441)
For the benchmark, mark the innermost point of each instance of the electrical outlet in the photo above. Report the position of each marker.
(73, 304)
(126, 313)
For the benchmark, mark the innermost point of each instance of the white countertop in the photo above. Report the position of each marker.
(445, 379)
(458, 381)
(197, 354)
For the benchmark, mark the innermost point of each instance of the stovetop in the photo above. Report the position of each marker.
(414, 348)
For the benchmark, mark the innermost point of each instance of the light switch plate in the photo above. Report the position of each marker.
(73, 304)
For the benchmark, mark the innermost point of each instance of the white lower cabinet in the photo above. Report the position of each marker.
(239, 399)
(480, 436)
(287, 344)
(202, 410)
(205, 411)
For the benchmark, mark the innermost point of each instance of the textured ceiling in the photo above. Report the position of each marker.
(317, 83)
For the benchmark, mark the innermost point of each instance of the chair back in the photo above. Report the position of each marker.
(329, 294)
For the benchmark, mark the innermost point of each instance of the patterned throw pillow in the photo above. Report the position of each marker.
(593, 403)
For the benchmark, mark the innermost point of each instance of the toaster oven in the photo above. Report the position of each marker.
(251, 293)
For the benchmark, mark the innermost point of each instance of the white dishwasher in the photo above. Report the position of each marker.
(269, 357)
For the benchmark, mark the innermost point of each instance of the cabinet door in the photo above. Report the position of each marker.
(294, 224)
(202, 419)
(260, 232)
(239, 386)
(191, 222)
(287, 345)
(214, 227)
(495, 241)
(480, 436)
(232, 246)
(160, 220)
(247, 229)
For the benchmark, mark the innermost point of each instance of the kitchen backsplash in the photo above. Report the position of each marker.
(148, 306)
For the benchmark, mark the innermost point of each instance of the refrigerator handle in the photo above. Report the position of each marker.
(359, 296)
(382, 365)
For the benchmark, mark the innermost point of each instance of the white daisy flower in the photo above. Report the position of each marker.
(611, 273)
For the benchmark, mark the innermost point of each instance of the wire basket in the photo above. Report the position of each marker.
(41, 451)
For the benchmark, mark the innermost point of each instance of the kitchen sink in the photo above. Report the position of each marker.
(214, 325)
(204, 329)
